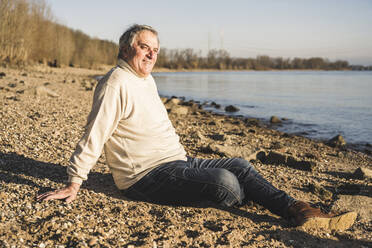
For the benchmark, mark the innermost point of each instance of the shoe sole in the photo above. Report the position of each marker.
(337, 223)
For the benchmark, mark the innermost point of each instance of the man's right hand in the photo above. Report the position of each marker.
(68, 193)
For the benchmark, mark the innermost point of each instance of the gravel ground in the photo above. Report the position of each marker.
(42, 114)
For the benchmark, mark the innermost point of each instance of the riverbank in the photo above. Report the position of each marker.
(43, 112)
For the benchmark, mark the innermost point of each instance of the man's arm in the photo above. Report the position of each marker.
(103, 119)
(68, 193)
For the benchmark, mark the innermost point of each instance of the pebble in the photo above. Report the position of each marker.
(92, 241)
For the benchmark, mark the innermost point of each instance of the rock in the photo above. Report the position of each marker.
(11, 96)
(217, 106)
(362, 173)
(259, 238)
(274, 119)
(12, 85)
(173, 101)
(231, 108)
(44, 91)
(337, 141)
(357, 203)
(320, 191)
(179, 110)
(231, 151)
(2, 74)
(252, 121)
(92, 241)
(164, 99)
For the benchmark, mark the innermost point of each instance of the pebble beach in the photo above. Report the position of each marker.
(43, 111)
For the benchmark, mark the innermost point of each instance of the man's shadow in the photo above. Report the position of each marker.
(18, 169)
(15, 168)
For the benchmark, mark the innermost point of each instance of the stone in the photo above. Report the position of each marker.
(274, 119)
(231, 108)
(179, 110)
(360, 204)
(232, 151)
(362, 173)
(259, 238)
(173, 101)
(92, 241)
(2, 74)
(44, 91)
(337, 141)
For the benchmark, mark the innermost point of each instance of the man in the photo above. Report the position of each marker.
(145, 156)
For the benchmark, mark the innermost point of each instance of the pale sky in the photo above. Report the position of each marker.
(334, 29)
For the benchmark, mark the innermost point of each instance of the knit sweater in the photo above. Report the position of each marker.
(129, 121)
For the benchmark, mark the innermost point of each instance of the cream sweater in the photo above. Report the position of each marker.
(131, 123)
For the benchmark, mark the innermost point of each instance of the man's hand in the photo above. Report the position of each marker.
(68, 193)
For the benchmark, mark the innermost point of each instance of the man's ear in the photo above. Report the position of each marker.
(126, 52)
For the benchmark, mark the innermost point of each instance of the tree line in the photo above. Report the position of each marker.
(29, 34)
(221, 60)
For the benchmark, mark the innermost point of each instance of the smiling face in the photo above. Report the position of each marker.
(142, 55)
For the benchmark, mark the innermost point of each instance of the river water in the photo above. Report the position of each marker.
(317, 104)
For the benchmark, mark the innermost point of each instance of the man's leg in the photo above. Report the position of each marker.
(186, 181)
(253, 186)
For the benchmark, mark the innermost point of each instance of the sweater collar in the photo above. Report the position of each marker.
(124, 65)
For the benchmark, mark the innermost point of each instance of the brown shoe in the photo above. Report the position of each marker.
(302, 214)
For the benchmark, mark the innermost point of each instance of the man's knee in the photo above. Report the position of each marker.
(241, 162)
(229, 190)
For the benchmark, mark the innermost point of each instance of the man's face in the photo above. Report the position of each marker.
(143, 54)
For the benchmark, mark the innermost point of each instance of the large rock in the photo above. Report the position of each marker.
(274, 119)
(44, 91)
(173, 101)
(179, 110)
(337, 141)
(247, 153)
(231, 108)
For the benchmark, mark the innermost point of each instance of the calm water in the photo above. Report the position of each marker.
(318, 104)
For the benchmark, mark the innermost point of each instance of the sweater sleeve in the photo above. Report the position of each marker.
(107, 110)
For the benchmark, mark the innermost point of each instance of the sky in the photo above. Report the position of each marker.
(333, 29)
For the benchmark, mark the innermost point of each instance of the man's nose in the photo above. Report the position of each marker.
(150, 54)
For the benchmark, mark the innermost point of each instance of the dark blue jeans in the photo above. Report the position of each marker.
(227, 182)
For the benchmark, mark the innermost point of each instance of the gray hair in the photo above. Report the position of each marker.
(127, 38)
